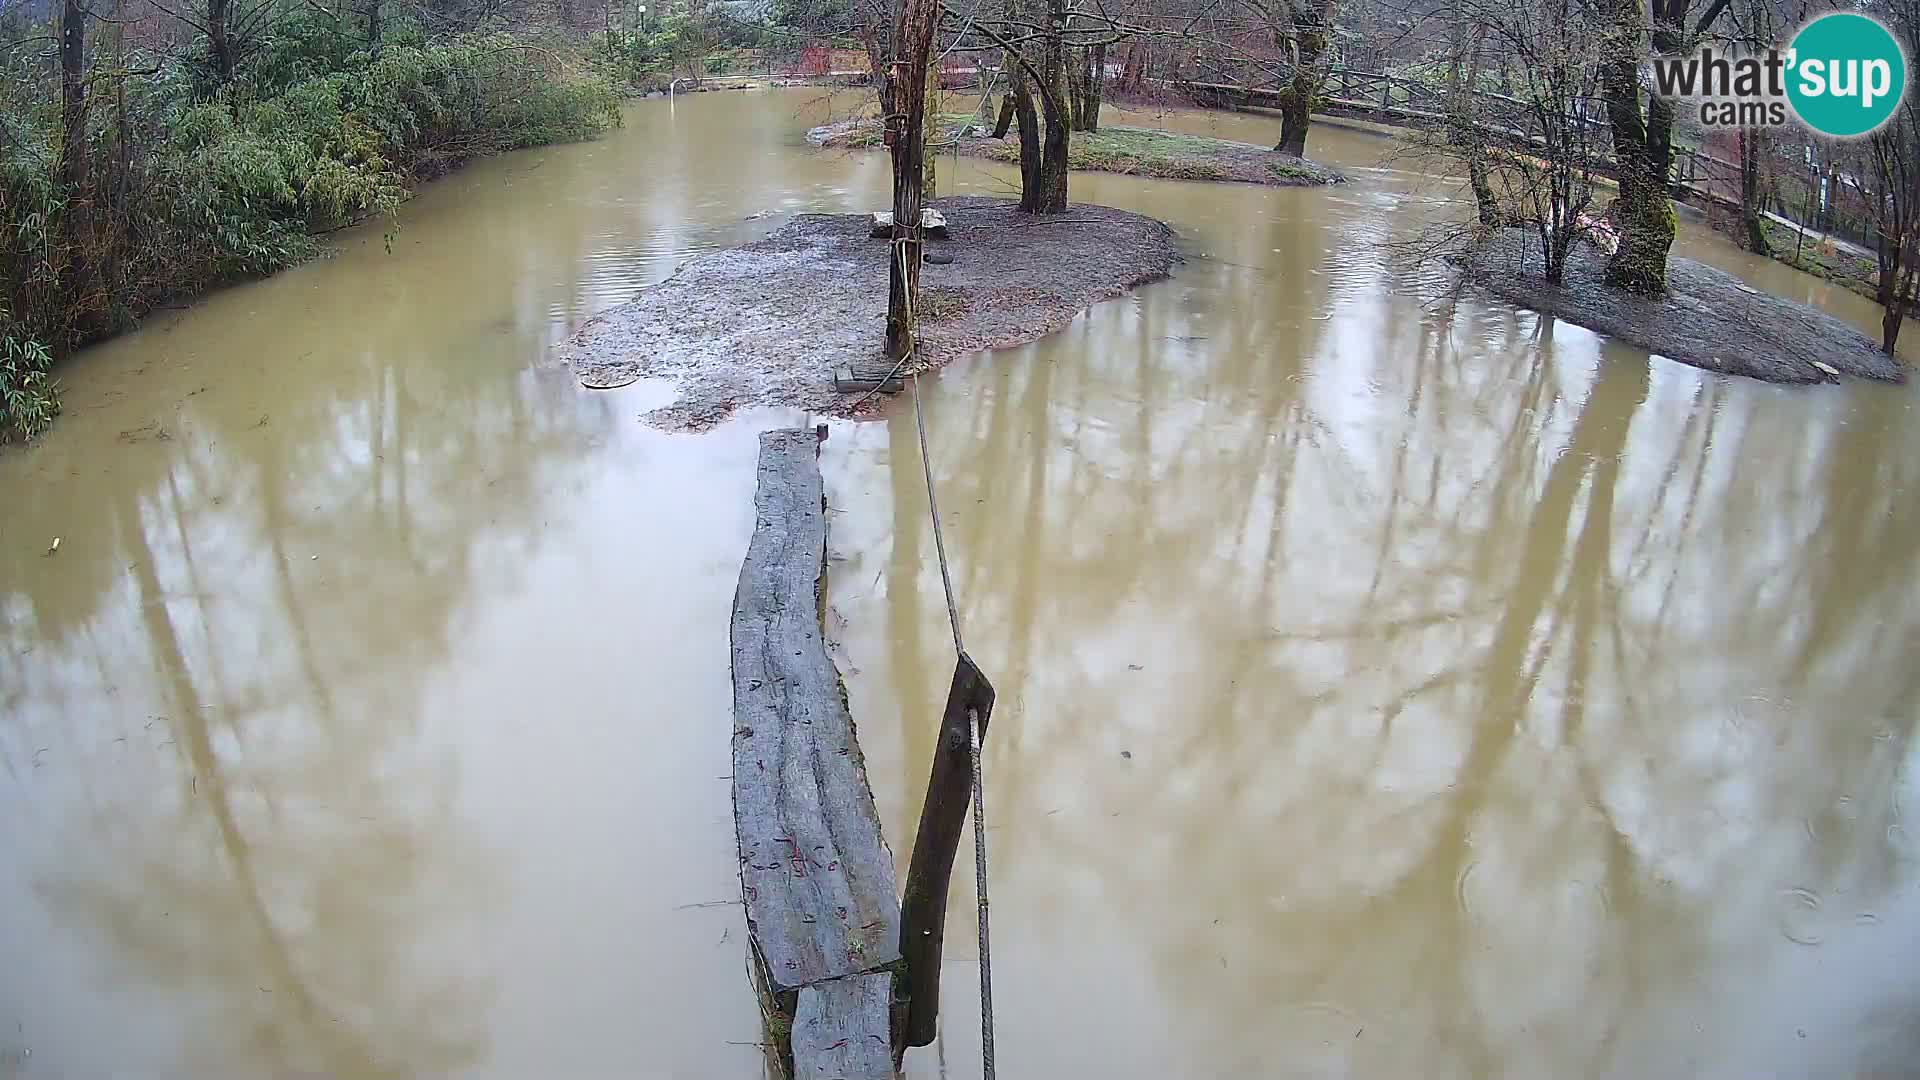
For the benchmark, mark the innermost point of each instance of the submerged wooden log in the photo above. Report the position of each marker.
(815, 872)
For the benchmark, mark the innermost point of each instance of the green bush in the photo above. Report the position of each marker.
(28, 394)
(315, 132)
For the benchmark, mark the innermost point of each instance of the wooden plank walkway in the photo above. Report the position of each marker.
(815, 873)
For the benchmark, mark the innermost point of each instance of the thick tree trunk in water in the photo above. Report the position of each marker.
(1643, 152)
(1752, 147)
(1005, 121)
(913, 31)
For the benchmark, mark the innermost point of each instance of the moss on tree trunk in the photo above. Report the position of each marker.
(1644, 216)
(1643, 151)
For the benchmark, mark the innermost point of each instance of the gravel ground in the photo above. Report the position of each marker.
(1709, 318)
(768, 322)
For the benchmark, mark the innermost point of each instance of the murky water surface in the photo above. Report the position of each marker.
(1387, 690)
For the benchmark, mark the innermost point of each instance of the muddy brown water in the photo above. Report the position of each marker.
(1384, 692)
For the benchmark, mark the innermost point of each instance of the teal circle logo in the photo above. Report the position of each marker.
(1846, 74)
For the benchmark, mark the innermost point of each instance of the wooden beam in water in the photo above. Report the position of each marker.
(815, 872)
(861, 378)
(949, 791)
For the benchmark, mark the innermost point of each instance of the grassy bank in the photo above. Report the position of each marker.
(1134, 151)
(1853, 273)
(191, 185)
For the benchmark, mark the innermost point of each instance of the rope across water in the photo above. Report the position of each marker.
(973, 717)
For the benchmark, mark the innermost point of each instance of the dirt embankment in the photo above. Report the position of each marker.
(1708, 318)
(1129, 150)
(768, 322)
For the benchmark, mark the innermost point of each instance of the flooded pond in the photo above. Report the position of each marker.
(1385, 690)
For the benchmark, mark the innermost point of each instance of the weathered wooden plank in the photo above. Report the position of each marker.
(853, 380)
(814, 868)
(840, 1029)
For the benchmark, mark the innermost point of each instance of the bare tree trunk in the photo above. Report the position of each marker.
(867, 27)
(1005, 120)
(1801, 227)
(374, 28)
(1643, 143)
(75, 216)
(1296, 101)
(1029, 119)
(1463, 130)
(1895, 287)
(930, 135)
(1051, 198)
(1076, 89)
(1752, 148)
(1889, 335)
(1085, 73)
(913, 30)
(1643, 212)
(1093, 88)
(219, 46)
(118, 172)
(1133, 67)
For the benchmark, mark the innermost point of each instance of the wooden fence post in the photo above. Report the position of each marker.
(923, 905)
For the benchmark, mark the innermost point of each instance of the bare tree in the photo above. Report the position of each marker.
(1643, 138)
(234, 30)
(904, 102)
(1755, 25)
(1307, 48)
(1466, 46)
(76, 276)
(1530, 158)
(1892, 165)
(1087, 76)
(1034, 46)
(1286, 44)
